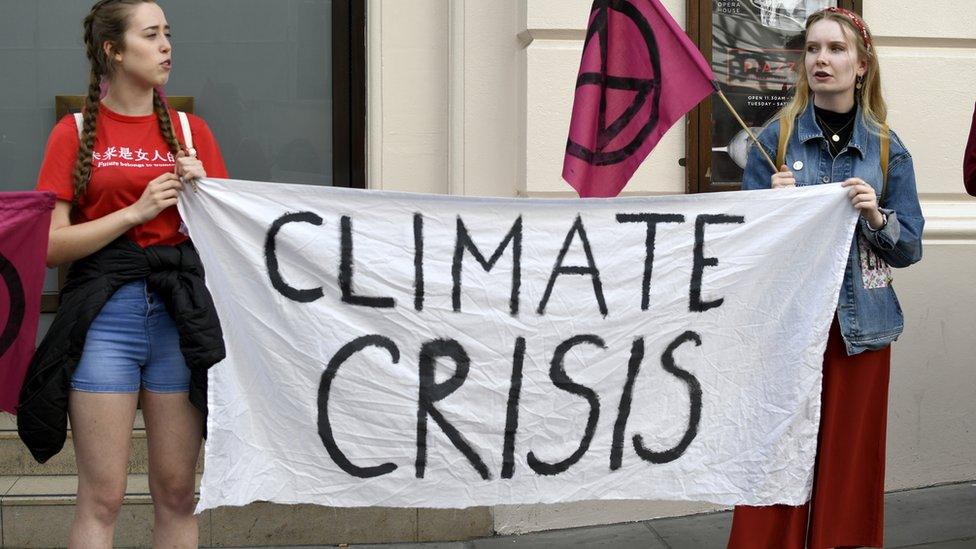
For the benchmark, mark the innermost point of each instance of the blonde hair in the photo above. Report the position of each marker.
(868, 98)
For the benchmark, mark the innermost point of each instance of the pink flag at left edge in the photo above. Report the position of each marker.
(25, 219)
(639, 74)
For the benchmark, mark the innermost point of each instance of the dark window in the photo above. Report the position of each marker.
(349, 93)
(282, 85)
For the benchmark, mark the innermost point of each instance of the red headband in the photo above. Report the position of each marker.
(858, 24)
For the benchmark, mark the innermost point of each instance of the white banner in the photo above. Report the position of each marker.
(407, 350)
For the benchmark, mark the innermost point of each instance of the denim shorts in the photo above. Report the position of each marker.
(132, 343)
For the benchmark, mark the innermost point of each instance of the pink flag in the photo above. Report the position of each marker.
(25, 219)
(639, 74)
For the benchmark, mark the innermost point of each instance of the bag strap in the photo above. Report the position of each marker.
(784, 138)
(80, 122)
(885, 150)
(187, 134)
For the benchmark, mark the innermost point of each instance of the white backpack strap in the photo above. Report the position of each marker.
(187, 134)
(80, 122)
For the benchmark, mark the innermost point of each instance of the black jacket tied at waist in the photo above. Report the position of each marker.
(173, 272)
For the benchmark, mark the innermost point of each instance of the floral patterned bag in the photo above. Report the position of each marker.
(875, 272)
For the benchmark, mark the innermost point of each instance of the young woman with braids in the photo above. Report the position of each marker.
(117, 184)
(834, 130)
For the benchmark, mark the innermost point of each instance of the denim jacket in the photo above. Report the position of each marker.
(868, 310)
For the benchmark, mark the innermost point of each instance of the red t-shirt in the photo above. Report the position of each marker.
(129, 152)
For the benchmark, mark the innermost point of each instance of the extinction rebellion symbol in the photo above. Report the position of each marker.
(635, 118)
(18, 304)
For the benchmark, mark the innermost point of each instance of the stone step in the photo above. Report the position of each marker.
(15, 459)
(36, 511)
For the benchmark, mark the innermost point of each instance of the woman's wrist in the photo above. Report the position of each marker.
(131, 216)
(877, 220)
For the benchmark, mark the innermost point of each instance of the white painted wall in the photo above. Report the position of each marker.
(929, 72)
(408, 93)
(473, 97)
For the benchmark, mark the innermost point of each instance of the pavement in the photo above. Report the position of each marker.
(942, 517)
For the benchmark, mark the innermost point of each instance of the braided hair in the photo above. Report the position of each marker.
(107, 22)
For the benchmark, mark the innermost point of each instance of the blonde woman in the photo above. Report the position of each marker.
(834, 130)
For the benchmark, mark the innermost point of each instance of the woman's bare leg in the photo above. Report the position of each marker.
(101, 427)
(175, 430)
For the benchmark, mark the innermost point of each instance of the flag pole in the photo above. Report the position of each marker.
(762, 149)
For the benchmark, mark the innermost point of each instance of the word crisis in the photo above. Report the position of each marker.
(431, 392)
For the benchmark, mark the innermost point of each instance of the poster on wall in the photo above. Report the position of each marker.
(756, 51)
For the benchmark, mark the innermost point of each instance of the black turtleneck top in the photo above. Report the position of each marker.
(833, 123)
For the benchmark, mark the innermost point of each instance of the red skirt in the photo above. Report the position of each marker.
(847, 505)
